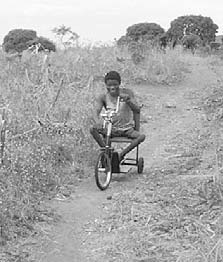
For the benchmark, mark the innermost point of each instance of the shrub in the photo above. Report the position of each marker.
(198, 25)
(44, 44)
(144, 31)
(17, 40)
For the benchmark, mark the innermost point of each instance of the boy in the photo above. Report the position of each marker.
(123, 123)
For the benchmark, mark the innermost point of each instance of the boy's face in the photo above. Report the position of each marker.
(113, 87)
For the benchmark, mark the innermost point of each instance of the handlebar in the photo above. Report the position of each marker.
(107, 116)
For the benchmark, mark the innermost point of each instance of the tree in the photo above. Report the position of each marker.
(144, 31)
(17, 40)
(123, 40)
(44, 44)
(138, 38)
(66, 36)
(163, 41)
(141, 32)
(199, 25)
(191, 42)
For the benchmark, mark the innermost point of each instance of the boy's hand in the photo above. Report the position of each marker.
(124, 97)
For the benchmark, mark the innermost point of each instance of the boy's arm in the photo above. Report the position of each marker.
(130, 100)
(100, 102)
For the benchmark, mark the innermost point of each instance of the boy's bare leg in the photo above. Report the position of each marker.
(97, 136)
(135, 142)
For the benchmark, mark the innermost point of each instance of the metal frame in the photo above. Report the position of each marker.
(127, 161)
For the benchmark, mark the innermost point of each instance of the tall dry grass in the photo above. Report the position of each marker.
(47, 103)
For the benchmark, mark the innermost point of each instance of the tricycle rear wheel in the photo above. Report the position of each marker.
(140, 165)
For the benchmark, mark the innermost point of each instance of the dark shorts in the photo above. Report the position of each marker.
(130, 133)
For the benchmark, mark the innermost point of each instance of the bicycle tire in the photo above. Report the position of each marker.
(103, 171)
(140, 165)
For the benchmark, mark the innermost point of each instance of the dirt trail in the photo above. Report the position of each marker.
(168, 111)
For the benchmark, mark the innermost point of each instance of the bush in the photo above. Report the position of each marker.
(17, 40)
(144, 31)
(191, 42)
(44, 44)
(198, 25)
(139, 37)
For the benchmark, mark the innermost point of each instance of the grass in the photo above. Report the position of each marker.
(168, 220)
(172, 215)
(47, 104)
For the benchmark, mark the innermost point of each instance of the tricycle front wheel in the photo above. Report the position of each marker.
(103, 171)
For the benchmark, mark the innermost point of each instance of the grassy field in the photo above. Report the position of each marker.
(46, 110)
(173, 212)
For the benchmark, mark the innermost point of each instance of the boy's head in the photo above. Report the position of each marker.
(113, 81)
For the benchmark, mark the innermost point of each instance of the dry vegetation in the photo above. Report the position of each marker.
(46, 105)
(168, 220)
(174, 214)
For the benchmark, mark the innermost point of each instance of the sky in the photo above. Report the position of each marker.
(100, 20)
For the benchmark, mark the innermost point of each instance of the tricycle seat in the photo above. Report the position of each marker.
(121, 140)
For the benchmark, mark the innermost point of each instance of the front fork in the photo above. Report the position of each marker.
(108, 149)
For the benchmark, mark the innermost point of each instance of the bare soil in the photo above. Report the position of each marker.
(148, 217)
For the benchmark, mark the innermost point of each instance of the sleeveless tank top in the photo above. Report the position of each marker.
(124, 119)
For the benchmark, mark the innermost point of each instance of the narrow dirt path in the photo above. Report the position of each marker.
(168, 111)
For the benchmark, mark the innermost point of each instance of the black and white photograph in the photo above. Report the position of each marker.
(111, 131)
